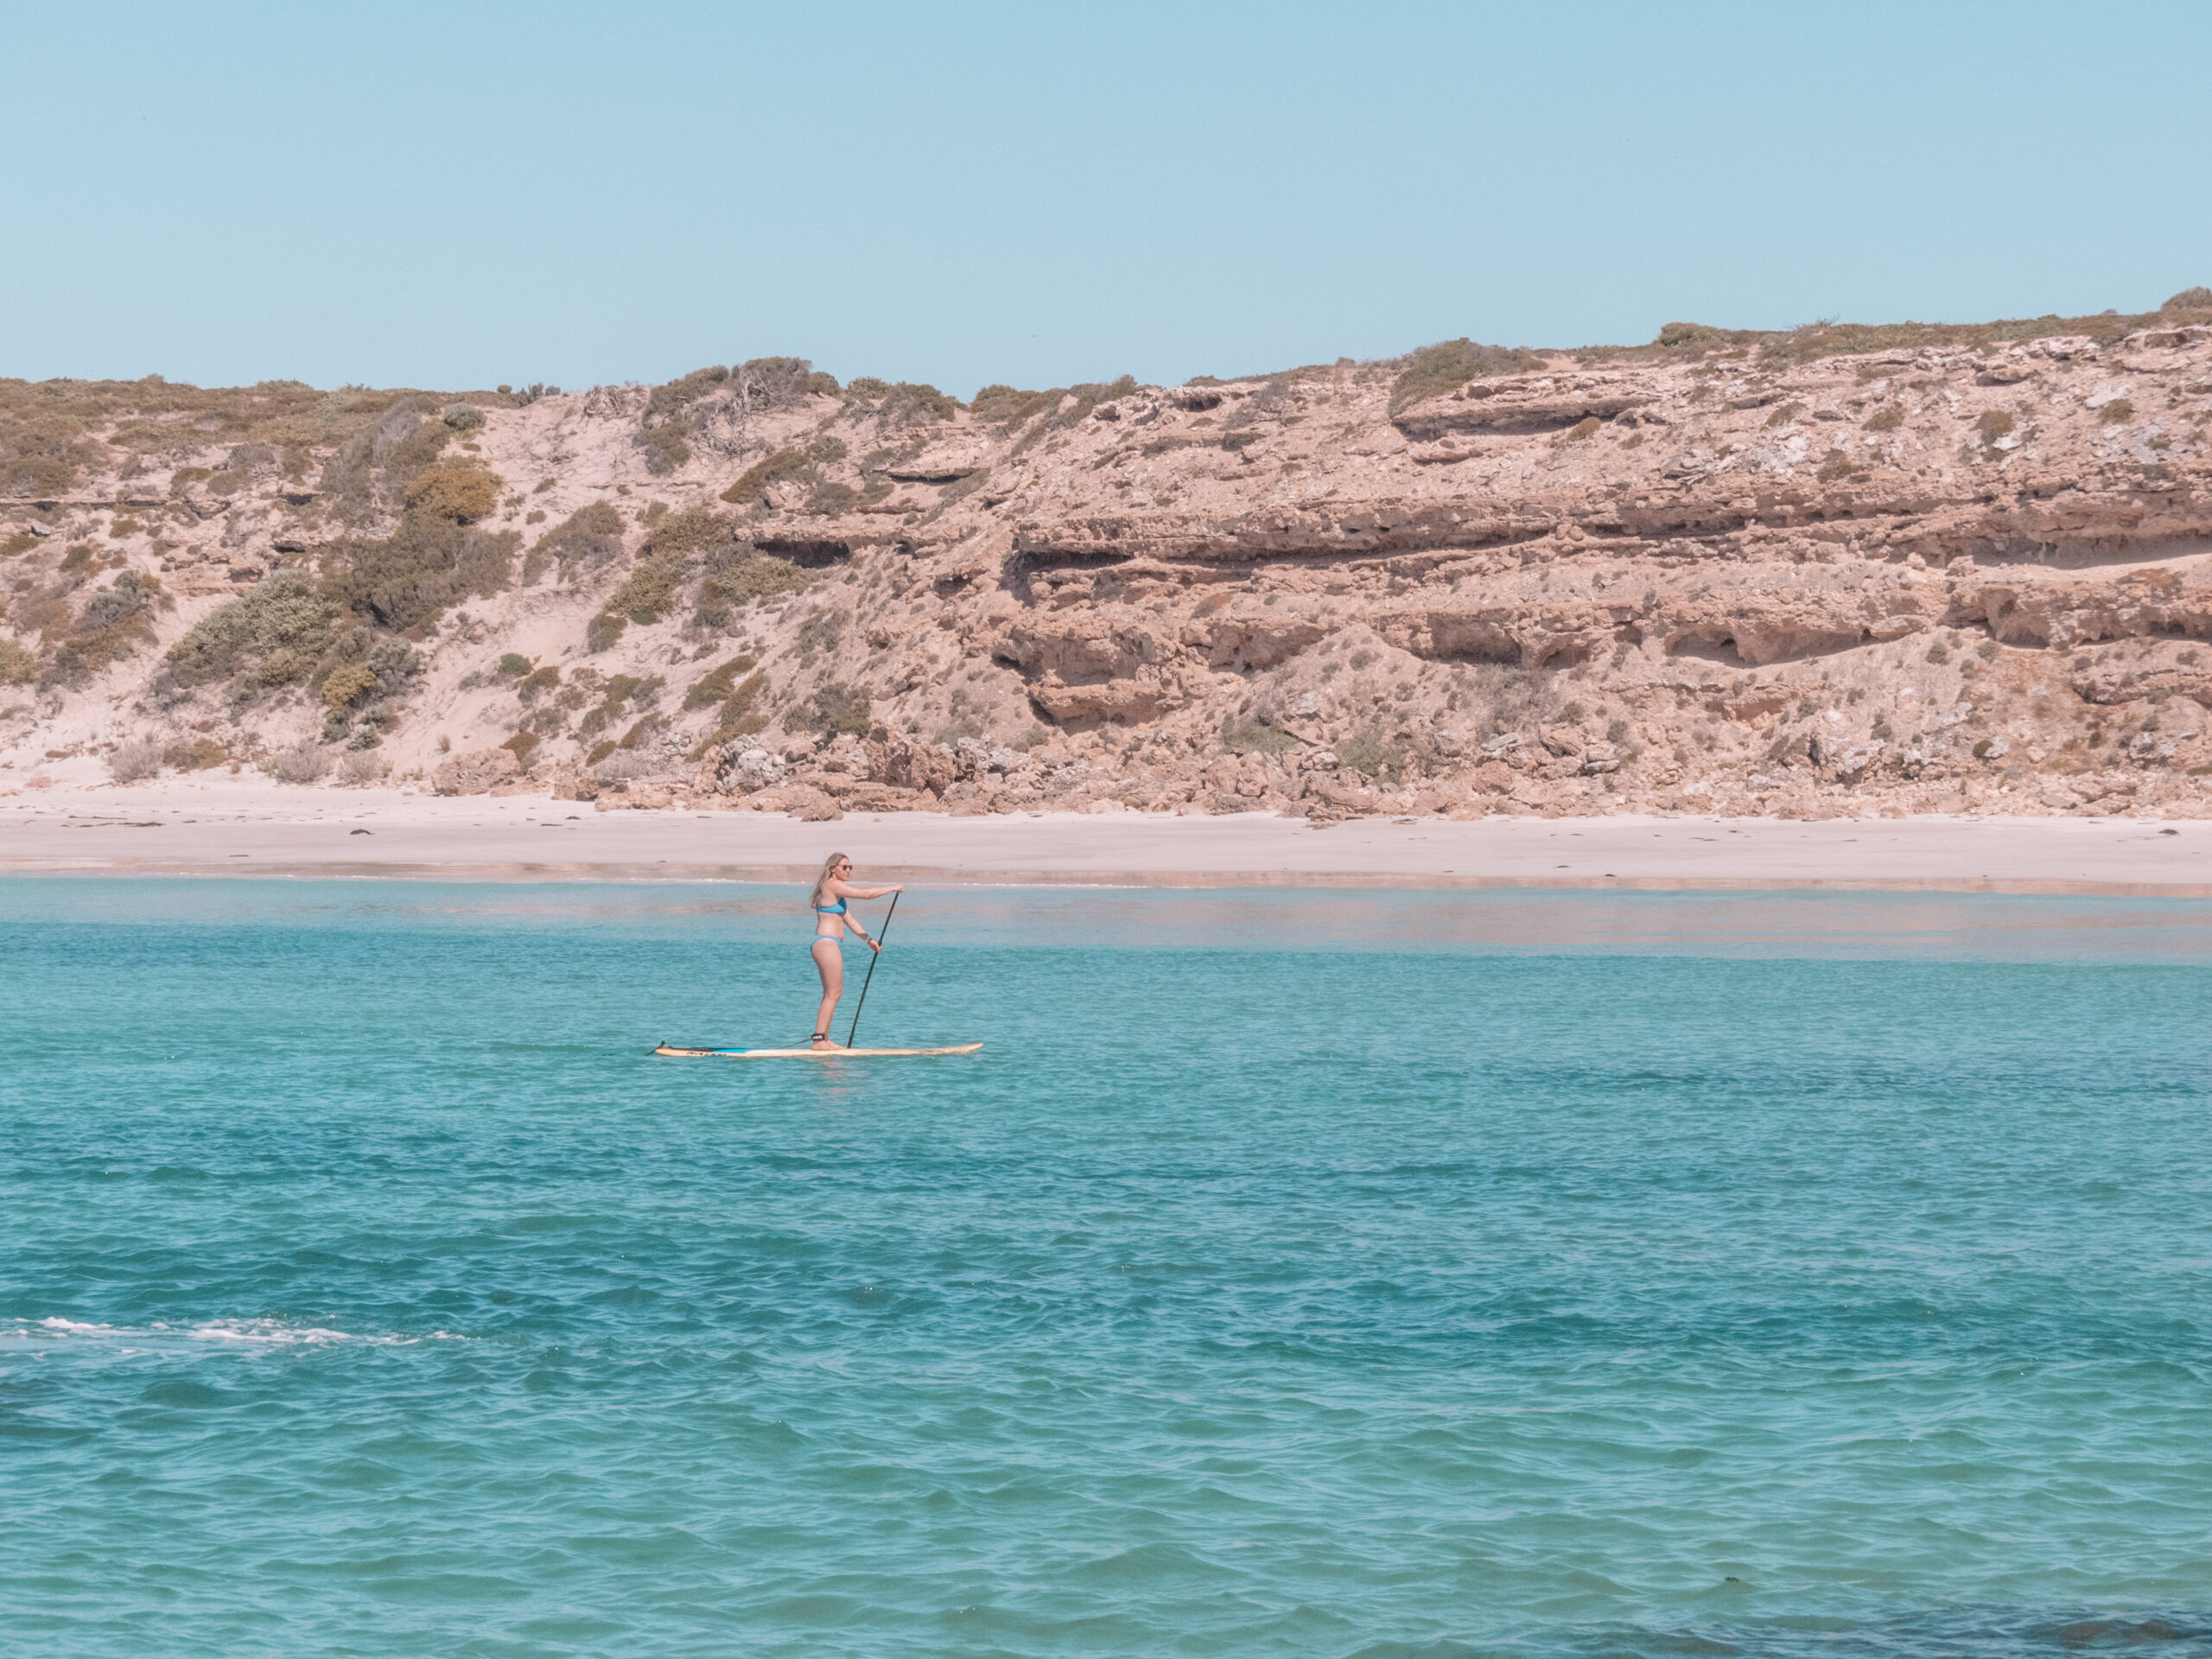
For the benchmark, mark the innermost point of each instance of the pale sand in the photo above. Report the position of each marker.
(240, 829)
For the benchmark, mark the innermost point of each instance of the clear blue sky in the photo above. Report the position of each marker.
(458, 194)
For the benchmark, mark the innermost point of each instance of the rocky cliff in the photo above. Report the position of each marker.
(1908, 568)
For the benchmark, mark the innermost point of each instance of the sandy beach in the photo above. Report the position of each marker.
(258, 829)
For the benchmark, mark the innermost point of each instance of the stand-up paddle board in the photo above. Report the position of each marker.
(671, 1050)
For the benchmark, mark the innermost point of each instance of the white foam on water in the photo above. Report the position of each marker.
(243, 1333)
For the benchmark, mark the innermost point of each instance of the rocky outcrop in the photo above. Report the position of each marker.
(476, 774)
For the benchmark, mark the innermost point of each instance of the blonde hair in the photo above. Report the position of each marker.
(828, 868)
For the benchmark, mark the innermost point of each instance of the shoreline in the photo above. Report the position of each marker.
(266, 831)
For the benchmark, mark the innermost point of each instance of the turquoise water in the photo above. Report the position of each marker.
(1330, 1273)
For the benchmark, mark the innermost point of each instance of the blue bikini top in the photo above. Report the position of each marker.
(837, 909)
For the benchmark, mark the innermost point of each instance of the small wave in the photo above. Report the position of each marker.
(246, 1333)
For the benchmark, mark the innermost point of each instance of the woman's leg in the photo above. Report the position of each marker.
(830, 960)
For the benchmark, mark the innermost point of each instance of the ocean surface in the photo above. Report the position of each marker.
(1294, 1272)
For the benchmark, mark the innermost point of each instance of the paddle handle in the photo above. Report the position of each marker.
(872, 957)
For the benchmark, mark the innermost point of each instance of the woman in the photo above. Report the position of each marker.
(831, 888)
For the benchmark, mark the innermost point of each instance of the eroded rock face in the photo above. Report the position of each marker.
(1746, 578)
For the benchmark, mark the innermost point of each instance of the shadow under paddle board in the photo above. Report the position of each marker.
(674, 1052)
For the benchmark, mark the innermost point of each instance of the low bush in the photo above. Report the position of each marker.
(362, 766)
(760, 576)
(461, 417)
(603, 631)
(715, 685)
(663, 447)
(784, 466)
(649, 592)
(135, 761)
(1888, 418)
(1993, 424)
(462, 494)
(1434, 370)
(347, 683)
(836, 707)
(1256, 737)
(1009, 405)
(18, 664)
(522, 745)
(513, 662)
(278, 631)
(1371, 753)
(586, 538)
(2118, 410)
(303, 763)
(2190, 299)
(429, 563)
(537, 681)
(901, 403)
(782, 382)
(695, 530)
(1585, 428)
(195, 754)
(112, 623)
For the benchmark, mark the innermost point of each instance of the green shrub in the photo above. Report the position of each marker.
(1994, 424)
(2190, 299)
(462, 494)
(537, 681)
(901, 404)
(649, 591)
(18, 664)
(2118, 410)
(780, 382)
(514, 663)
(278, 631)
(1585, 428)
(758, 578)
(679, 394)
(522, 744)
(1256, 737)
(461, 417)
(664, 449)
(602, 632)
(753, 485)
(692, 531)
(1434, 370)
(599, 751)
(716, 685)
(1937, 654)
(347, 683)
(838, 708)
(586, 539)
(1009, 406)
(1888, 418)
(429, 563)
(1370, 753)
(196, 755)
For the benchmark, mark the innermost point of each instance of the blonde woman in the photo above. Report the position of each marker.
(831, 889)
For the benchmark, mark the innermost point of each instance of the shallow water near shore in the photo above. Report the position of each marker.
(1332, 1273)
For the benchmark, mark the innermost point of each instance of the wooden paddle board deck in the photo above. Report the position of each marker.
(808, 1053)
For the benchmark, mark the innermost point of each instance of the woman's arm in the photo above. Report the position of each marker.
(846, 890)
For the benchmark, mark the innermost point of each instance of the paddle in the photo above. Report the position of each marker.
(872, 957)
